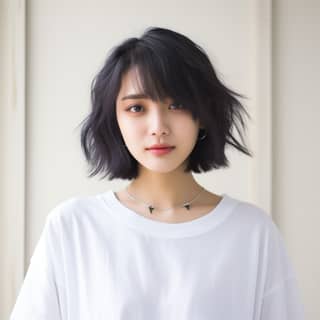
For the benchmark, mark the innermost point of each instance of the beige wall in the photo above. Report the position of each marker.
(296, 133)
(41, 160)
(12, 150)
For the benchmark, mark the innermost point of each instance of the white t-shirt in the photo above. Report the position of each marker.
(97, 259)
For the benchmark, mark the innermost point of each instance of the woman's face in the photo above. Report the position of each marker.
(144, 122)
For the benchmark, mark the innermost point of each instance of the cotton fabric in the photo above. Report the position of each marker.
(97, 259)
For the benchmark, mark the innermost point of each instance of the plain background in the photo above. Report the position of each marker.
(50, 52)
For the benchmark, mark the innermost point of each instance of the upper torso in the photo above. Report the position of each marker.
(111, 263)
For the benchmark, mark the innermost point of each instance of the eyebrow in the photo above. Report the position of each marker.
(135, 96)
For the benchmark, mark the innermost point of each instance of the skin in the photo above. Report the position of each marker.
(161, 180)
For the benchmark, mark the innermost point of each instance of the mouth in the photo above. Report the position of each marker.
(160, 151)
(158, 148)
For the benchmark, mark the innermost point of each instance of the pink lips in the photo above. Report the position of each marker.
(160, 151)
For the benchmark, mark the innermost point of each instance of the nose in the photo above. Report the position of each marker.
(158, 121)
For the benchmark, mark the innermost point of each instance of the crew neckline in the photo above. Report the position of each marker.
(165, 229)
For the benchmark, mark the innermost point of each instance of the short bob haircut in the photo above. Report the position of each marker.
(169, 65)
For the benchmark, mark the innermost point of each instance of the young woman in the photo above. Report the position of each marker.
(164, 247)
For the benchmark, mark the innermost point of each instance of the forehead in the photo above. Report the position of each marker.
(130, 84)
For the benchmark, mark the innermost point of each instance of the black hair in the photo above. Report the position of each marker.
(169, 65)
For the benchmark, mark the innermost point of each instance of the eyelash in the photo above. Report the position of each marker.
(138, 105)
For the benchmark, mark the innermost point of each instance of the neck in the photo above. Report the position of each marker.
(164, 190)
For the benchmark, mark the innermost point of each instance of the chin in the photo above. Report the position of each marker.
(164, 167)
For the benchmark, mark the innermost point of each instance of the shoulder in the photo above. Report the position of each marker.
(249, 214)
(250, 210)
(256, 225)
(73, 208)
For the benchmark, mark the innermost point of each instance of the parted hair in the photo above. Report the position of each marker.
(169, 65)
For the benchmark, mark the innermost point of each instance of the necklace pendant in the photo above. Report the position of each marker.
(150, 209)
(187, 206)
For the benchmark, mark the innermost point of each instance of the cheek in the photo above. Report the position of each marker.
(131, 132)
(187, 129)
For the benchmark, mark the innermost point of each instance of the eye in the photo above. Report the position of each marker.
(178, 105)
(135, 106)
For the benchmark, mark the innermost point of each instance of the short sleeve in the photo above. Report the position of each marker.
(38, 298)
(282, 299)
(283, 302)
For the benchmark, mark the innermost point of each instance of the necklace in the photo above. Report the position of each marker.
(151, 207)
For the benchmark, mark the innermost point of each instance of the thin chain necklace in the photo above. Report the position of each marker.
(151, 207)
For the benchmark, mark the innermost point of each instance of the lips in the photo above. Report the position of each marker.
(160, 146)
(161, 151)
